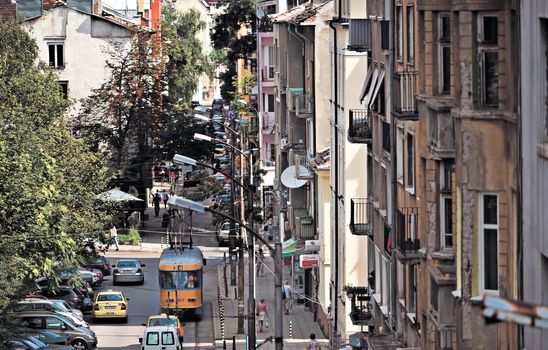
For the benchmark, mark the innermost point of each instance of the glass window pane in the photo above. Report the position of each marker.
(490, 209)
(60, 59)
(167, 338)
(445, 28)
(153, 338)
(51, 55)
(448, 214)
(490, 29)
(446, 69)
(270, 103)
(53, 323)
(490, 259)
(410, 34)
(491, 77)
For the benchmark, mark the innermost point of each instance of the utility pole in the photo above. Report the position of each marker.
(278, 269)
(393, 168)
(241, 262)
(251, 255)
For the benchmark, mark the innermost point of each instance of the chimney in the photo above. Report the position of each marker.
(96, 7)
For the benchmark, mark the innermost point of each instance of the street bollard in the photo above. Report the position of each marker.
(290, 330)
(224, 344)
(141, 243)
(233, 342)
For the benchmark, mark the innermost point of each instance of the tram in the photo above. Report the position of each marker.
(181, 281)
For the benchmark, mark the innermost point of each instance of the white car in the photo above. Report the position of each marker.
(160, 338)
(223, 232)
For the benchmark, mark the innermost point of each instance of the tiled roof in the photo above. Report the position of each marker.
(7, 8)
(300, 13)
(322, 160)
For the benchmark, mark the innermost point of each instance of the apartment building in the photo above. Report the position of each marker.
(534, 154)
(466, 171)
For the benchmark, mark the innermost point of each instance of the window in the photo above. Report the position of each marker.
(434, 295)
(410, 34)
(410, 162)
(167, 338)
(385, 136)
(446, 339)
(270, 103)
(399, 33)
(56, 55)
(488, 241)
(444, 54)
(399, 150)
(33, 322)
(446, 206)
(153, 338)
(412, 286)
(54, 323)
(63, 88)
(385, 42)
(488, 61)
(433, 126)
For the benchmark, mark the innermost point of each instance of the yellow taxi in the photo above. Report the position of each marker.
(167, 320)
(110, 304)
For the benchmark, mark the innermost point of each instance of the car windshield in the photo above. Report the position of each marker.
(127, 263)
(62, 305)
(179, 279)
(164, 321)
(109, 297)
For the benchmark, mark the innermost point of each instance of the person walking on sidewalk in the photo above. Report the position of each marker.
(259, 263)
(113, 237)
(156, 200)
(261, 313)
(313, 343)
(287, 295)
(165, 197)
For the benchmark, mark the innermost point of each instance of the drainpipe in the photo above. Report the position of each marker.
(335, 257)
(393, 168)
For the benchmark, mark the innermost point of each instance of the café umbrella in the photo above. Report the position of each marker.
(117, 195)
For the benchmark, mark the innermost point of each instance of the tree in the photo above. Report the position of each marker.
(226, 36)
(124, 112)
(48, 179)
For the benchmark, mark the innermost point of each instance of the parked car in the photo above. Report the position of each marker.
(160, 338)
(128, 270)
(98, 272)
(38, 344)
(48, 306)
(80, 338)
(70, 294)
(98, 262)
(50, 338)
(166, 320)
(76, 312)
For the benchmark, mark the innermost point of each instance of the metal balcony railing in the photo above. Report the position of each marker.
(408, 241)
(405, 91)
(359, 130)
(361, 217)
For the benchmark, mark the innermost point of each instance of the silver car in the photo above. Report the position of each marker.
(128, 270)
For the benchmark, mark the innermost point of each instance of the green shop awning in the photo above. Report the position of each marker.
(289, 247)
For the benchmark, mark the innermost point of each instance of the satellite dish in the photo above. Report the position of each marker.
(289, 177)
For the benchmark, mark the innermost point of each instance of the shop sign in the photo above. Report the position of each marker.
(307, 261)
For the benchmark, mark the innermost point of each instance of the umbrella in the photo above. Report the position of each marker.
(118, 196)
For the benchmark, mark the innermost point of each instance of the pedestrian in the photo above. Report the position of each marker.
(259, 263)
(113, 237)
(165, 197)
(156, 200)
(313, 343)
(287, 295)
(262, 314)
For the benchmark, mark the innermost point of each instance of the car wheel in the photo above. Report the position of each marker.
(79, 344)
(142, 282)
(124, 320)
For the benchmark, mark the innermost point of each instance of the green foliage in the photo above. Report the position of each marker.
(226, 36)
(208, 187)
(133, 237)
(48, 179)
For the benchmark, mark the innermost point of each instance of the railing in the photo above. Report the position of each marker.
(361, 216)
(408, 242)
(405, 90)
(360, 305)
(359, 130)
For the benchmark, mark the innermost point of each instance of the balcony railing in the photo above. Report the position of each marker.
(361, 217)
(405, 90)
(268, 73)
(360, 305)
(408, 242)
(359, 130)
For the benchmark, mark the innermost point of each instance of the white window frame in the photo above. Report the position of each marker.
(443, 234)
(481, 227)
(55, 44)
(385, 282)
(483, 49)
(410, 34)
(410, 175)
(441, 45)
(400, 160)
(378, 271)
(399, 33)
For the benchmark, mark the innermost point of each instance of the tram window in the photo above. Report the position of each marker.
(179, 279)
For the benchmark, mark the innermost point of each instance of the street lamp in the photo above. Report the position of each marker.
(182, 160)
(183, 203)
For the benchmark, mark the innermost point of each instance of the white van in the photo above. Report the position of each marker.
(160, 338)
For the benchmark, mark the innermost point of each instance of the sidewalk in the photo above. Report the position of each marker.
(297, 325)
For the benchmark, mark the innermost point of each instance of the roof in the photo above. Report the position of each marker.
(110, 292)
(322, 160)
(301, 13)
(186, 256)
(160, 329)
(7, 8)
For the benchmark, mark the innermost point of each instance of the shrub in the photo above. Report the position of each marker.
(132, 237)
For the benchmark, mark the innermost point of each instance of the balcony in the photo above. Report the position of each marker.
(405, 90)
(360, 35)
(303, 223)
(408, 242)
(359, 129)
(360, 306)
(361, 217)
(304, 106)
